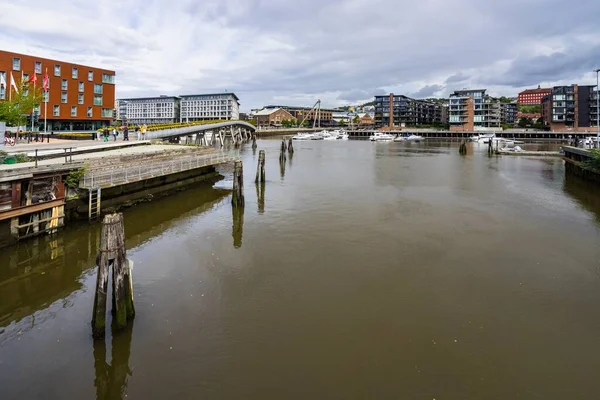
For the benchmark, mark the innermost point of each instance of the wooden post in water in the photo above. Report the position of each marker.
(290, 146)
(283, 146)
(237, 200)
(253, 142)
(462, 150)
(112, 252)
(260, 168)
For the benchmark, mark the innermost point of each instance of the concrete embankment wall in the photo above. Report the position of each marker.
(574, 168)
(126, 195)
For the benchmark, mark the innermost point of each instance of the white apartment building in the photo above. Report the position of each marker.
(149, 110)
(198, 107)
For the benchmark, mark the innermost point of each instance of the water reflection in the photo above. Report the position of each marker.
(237, 229)
(282, 161)
(260, 195)
(40, 271)
(112, 378)
(585, 193)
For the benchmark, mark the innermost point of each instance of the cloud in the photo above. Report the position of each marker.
(456, 78)
(427, 91)
(340, 51)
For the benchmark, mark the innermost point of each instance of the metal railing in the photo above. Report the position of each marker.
(123, 175)
(189, 130)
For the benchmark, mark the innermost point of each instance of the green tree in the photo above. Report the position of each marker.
(342, 123)
(356, 119)
(16, 110)
(525, 122)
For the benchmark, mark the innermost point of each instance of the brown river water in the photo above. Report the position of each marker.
(363, 271)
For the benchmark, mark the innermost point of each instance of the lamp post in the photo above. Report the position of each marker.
(597, 110)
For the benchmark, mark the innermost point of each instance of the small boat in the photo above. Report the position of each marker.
(303, 136)
(414, 138)
(485, 138)
(381, 137)
(340, 134)
(399, 138)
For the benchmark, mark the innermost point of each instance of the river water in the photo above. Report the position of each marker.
(363, 270)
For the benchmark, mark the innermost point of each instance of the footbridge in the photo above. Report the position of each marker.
(208, 134)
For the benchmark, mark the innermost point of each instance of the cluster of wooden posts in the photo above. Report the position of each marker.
(113, 254)
(462, 149)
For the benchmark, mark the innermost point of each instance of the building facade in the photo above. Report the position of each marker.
(199, 107)
(149, 110)
(508, 114)
(473, 109)
(322, 116)
(405, 111)
(79, 97)
(272, 117)
(570, 108)
(533, 96)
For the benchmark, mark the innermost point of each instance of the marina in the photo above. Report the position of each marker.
(385, 279)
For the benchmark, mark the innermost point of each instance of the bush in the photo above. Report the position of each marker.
(74, 177)
(594, 163)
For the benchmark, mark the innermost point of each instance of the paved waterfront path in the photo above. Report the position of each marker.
(59, 144)
(128, 151)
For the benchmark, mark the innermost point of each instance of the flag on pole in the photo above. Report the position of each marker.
(13, 83)
(33, 79)
(46, 82)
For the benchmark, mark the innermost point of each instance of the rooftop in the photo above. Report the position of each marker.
(538, 90)
(210, 94)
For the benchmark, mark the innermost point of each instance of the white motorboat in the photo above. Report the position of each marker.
(303, 136)
(381, 137)
(414, 138)
(399, 138)
(485, 138)
(340, 134)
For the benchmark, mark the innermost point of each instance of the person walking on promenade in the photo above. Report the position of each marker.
(115, 133)
(106, 134)
(126, 134)
(144, 129)
(137, 131)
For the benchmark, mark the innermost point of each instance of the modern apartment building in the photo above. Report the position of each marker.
(200, 107)
(533, 96)
(149, 110)
(508, 113)
(79, 97)
(570, 108)
(405, 111)
(473, 109)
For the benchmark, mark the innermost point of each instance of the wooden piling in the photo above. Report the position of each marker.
(113, 253)
(260, 168)
(237, 200)
(462, 149)
(253, 142)
(290, 146)
(283, 146)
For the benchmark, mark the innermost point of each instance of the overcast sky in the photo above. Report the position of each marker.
(294, 52)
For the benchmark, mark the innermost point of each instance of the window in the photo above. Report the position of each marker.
(64, 85)
(73, 111)
(80, 98)
(38, 67)
(97, 88)
(56, 111)
(107, 113)
(3, 87)
(107, 78)
(45, 97)
(74, 73)
(90, 76)
(81, 87)
(63, 97)
(89, 112)
(56, 70)
(97, 100)
(25, 91)
(25, 77)
(16, 64)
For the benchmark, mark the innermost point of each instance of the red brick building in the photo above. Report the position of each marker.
(533, 96)
(79, 97)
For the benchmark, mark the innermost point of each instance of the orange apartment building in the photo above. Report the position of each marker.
(79, 97)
